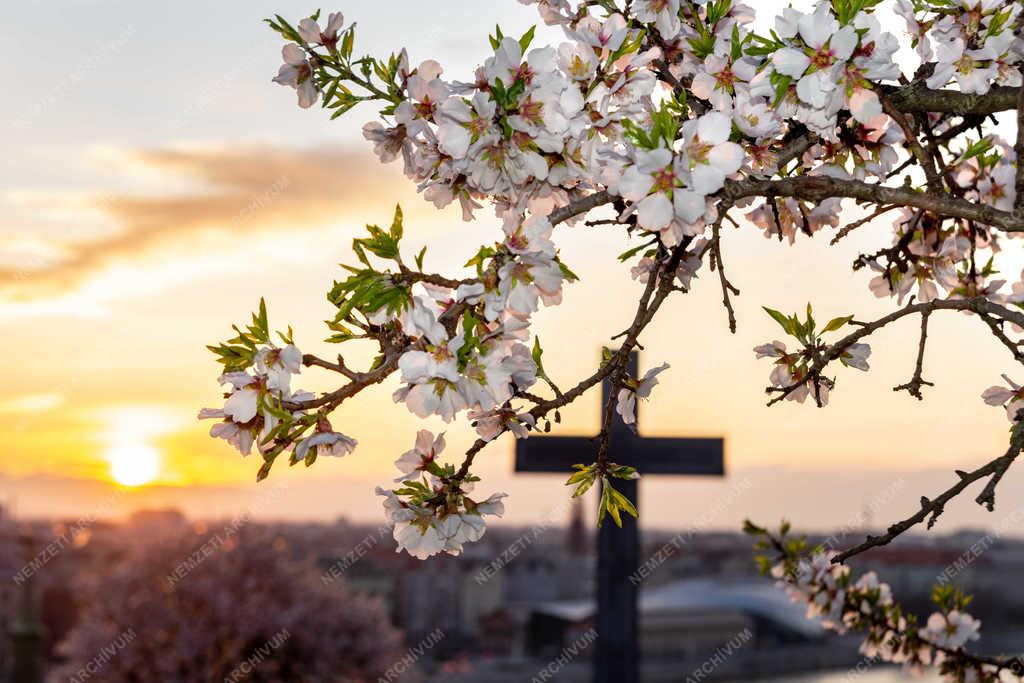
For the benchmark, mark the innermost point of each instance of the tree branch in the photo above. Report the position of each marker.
(850, 227)
(917, 98)
(818, 188)
(719, 265)
(1019, 149)
(582, 205)
(310, 360)
(931, 509)
(924, 160)
(980, 305)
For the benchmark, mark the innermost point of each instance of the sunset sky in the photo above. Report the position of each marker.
(136, 136)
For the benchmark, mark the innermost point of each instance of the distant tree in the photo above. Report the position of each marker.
(10, 564)
(227, 607)
(48, 575)
(685, 117)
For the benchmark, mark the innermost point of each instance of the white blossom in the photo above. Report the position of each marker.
(633, 389)
(297, 72)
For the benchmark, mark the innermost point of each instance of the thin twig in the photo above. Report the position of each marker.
(850, 227)
(719, 265)
(310, 360)
(913, 387)
(925, 161)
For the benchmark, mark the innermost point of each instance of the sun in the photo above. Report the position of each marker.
(133, 464)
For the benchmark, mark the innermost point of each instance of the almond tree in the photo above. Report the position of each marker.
(681, 117)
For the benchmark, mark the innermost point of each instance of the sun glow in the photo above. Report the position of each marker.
(134, 464)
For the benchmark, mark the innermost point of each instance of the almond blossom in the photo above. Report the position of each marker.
(329, 443)
(953, 629)
(420, 457)
(311, 32)
(1010, 397)
(243, 421)
(279, 365)
(297, 73)
(633, 389)
(664, 14)
(490, 424)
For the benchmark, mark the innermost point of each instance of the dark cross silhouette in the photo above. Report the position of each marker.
(617, 655)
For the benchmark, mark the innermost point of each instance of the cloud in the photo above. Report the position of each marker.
(225, 191)
(30, 403)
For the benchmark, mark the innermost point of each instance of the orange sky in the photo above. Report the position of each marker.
(136, 250)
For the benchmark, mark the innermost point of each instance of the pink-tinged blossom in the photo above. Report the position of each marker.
(710, 155)
(648, 183)
(297, 73)
(421, 456)
(1011, 397)
(491, 424)
(311, 32)
(278, 365)
(388, 143)
(633, 389)
(720, 78)
(664, 14)
(603, 37)
(856, 356)
(953, 629)
(328, 443)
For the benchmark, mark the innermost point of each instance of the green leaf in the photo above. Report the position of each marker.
(752, 529)
(782, 84)
(478, 259)
(566, 273)
(577, 477)
(623, 472)
(498, 90)
(607, 507)
(346, 44)
(396, 224)
(630, 253)
(515, 92)
(584, 487)
(583, 479)
(538, 354)
(836, 323)
(263, 325)
(527, 38)
(623, 503)
(785, 322)
(264, 470)
(419, 258)
(614, 503)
